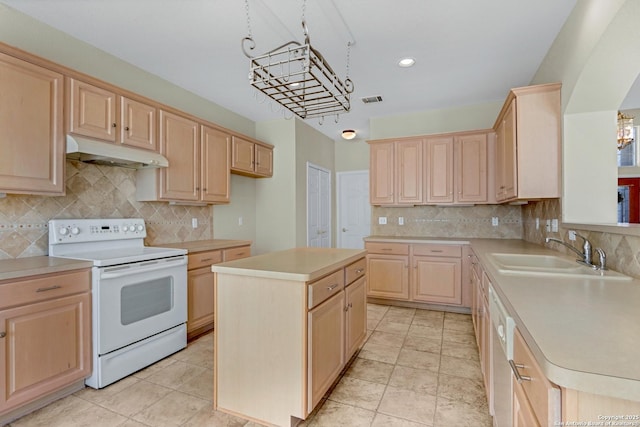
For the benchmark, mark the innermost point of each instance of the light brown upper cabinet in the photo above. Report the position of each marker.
(31, 128)
(528, 136)
(457, 169)
(198, 164)
(100, 113)
(251, 158)
(396, 172)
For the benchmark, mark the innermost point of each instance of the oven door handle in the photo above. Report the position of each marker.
(142, 267)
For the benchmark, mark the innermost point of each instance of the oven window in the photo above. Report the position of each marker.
(146, 299)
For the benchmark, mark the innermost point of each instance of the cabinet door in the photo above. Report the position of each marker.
(31, 128)
(409, 172)
(92, 111)
(506, 170)
(200, 298)
(215, 165)
(485, 352)
(264, 160)
(523, 415)
(381, 178)
(242, 155)
(356, 310)
(326, 346)
(471, 168)
(138, 124)
(439, 161)
(180, 145)
(437, 280)
(388, 276)
(47, 347)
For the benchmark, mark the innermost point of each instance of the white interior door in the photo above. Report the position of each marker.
(318, 206)
(354, 210)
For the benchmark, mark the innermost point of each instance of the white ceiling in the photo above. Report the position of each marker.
(467, 51)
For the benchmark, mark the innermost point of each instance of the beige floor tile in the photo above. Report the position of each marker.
(433, 314)
(460, 367)
(333, 414)
(356, 392)
(419, 359)
(419, 380)
(132, 423)
(372, 323)
(158, 366)
(400, 315)
(393, 327)
(382, 420)
(407, 404)
(386, 338)
(207, 417)
(200, 386)
(376, 311)
(413, 342)
(370, 370)
(459, 337)
(432, 322)
(461, 350)
(457, 316)
(380, 353)
(459, 325)
(176, 374)
(461, 414)
(174, 409)
(95, 416)
(135, 398)
(203, 357)
(434, 333)
(56, 414)
(97, 396)
(467, 390)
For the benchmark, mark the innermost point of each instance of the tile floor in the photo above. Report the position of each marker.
(417, 368)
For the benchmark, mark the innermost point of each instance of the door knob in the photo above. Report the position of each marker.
(344, 229)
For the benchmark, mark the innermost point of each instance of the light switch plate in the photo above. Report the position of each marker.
(554, 225)
(494, 221)
(401, 220)
(382, 220)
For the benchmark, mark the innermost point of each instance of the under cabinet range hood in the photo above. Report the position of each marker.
(103, 153)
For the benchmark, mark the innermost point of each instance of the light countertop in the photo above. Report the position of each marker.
(207, 245)
(19, 268)
(299, 264)
(583, 332)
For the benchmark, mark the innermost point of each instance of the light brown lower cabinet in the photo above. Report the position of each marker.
(421, 273)
(289, 354)
(45, 336)
(200, 292)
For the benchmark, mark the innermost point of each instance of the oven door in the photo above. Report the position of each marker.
(135, 301)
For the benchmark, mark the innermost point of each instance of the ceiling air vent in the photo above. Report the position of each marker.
(372, 99)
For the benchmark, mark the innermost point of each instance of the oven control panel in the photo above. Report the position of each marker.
(95, 230)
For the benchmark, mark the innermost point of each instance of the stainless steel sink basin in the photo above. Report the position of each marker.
(548, 265)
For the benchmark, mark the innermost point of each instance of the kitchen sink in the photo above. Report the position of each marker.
(548, 265)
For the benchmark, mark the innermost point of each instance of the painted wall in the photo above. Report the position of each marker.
(237, 220)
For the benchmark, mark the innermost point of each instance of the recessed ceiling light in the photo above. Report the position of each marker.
(406, 62)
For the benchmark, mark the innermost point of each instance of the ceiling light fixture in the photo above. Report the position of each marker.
(348, 134)
(406, 62)
(298, 77)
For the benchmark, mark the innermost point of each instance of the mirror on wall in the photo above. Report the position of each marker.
(629, 157)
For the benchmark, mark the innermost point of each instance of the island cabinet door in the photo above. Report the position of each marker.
(356, 312)
(326, 346)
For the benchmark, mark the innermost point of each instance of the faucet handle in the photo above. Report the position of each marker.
(602, 259)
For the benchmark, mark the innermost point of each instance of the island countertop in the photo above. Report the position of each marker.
(299, 264)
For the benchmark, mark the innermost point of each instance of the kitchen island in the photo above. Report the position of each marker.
(287, 323)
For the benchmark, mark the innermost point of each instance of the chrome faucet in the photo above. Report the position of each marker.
(585, 255)
(602, 259)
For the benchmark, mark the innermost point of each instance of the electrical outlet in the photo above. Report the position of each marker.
(572, 235)
(494, 221)
(401, 220)
(382, 220)
(537, 223)
(554, 225)
(239, 220)
(194, 222)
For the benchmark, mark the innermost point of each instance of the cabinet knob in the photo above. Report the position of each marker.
(127, 128)
(114, 125)
(3, 334)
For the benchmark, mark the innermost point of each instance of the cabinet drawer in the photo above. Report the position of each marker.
(236, 253)
(438, 250)
(540, 392)
(44, 287)
(204, 259)
(388, 248)
(355, 270)
(322, 289)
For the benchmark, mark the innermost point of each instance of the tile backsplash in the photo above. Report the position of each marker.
(95, 192)
(437, 221)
